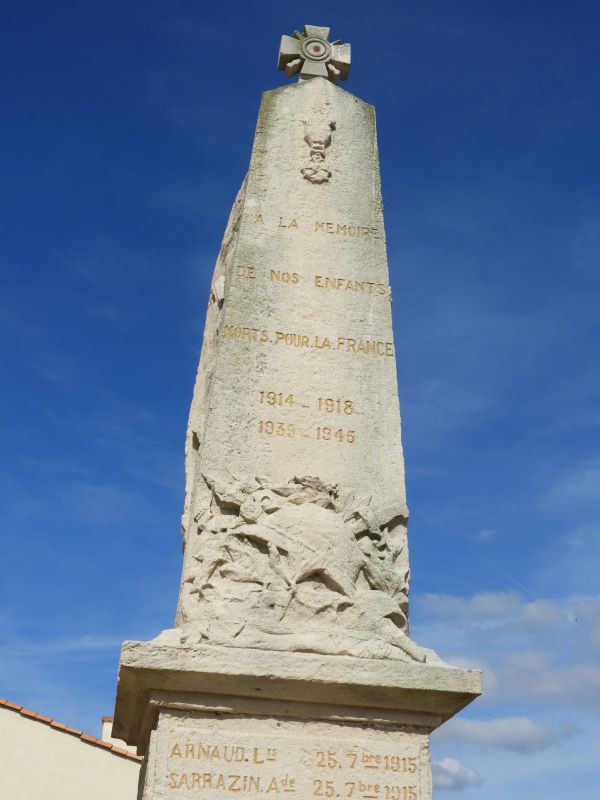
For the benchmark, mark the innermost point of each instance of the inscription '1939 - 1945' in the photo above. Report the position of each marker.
(326, 433)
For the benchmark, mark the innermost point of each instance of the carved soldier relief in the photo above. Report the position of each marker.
(318, 140)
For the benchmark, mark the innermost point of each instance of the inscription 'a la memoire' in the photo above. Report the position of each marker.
(350, 230)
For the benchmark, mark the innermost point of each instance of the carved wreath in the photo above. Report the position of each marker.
(299, 565)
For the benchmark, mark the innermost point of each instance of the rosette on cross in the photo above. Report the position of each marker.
(312, 55)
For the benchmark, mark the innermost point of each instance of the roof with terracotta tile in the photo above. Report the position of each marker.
(60, 726)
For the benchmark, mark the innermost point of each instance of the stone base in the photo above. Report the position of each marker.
(228, 721)
(249, 750)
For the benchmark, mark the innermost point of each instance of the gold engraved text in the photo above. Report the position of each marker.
(345, 344)
(244, 784)
(285, 224)
(285, 277)
(336, 229)
(366, 287)
(252, 334)
(276, 398)
(272, 428)
(331, 405)
(332, 435)
(327, 405)
(292, 339)
(354, 759)
(287, 430)
(365, 346)
(229, 753)
(389, 763)
(363, 790)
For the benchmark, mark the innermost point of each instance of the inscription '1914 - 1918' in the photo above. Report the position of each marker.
(328, 405)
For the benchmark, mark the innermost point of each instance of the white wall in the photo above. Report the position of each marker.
(38, 762)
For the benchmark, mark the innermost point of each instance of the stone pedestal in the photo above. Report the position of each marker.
(218, 722)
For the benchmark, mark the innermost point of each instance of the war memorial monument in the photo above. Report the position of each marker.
(290, 672)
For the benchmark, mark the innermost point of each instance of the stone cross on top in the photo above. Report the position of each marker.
(311, 55)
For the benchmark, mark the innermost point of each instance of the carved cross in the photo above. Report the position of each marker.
(312, 55)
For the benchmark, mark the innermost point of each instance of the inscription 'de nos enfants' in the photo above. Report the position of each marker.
(295, 279)
(343, 772)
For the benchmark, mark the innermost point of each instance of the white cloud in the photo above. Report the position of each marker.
(484, 535)
(483, 607)
(519, 734)
(450, 774)
(533, 675)
(489, 609)
(541, 650)
(586, 613)
(542, 614)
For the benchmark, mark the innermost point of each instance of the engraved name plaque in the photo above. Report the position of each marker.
(204, 755)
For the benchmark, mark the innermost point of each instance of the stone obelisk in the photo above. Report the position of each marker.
(290, 671)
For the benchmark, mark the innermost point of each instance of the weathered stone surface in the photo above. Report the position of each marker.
(297, 383)
(312, 55)
(341, 686)
(291, 636)
(299, 566)
(198, 751)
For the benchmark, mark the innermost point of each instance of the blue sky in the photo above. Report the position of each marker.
(126, 131)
